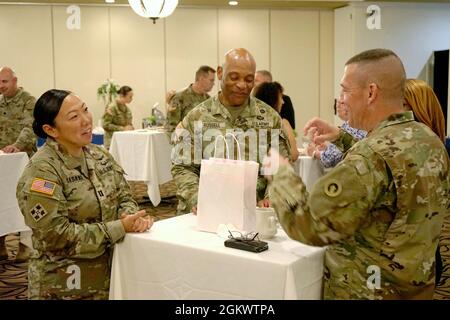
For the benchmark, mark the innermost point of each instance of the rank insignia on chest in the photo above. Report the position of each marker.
(43, 186)
(38, 212)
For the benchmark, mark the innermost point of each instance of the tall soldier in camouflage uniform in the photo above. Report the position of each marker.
(232, 109)
(187, 99)
(381, 209)
(118, 115)
(16, 117)
(75, 199)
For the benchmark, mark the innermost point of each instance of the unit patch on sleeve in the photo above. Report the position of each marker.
(43, 186)
(38, 212)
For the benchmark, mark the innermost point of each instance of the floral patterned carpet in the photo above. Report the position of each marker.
(13, 275)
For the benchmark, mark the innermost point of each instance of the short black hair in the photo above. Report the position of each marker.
(371, 55)
(123, 91)
(46, 109)
(203, 70)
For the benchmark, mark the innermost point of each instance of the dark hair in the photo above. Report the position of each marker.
(123, 91)
(203, 70)
(371, 55)
(268, 92)
(46, 109)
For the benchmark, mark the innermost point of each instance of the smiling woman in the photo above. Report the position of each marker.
(74, 197)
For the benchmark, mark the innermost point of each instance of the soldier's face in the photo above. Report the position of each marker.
(260, 78)
(207, 81)
(128, 97)
(353, 95)
(8, 84)
(236, 81)
(73, 124)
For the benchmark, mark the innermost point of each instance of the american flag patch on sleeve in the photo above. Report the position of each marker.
(43, 186)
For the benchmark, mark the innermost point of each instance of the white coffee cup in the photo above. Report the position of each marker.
(266, 222)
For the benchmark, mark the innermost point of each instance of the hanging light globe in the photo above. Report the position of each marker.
(153, 9)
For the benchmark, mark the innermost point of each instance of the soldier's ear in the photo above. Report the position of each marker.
(50, 131)
(219, 72)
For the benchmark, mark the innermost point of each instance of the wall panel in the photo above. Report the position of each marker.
(191, 41)
(82, 56)
(137, 60)
(295, 60)
(26, 45)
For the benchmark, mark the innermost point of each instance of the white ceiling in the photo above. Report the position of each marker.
(242, 3)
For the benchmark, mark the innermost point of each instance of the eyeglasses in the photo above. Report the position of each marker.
(238, 236)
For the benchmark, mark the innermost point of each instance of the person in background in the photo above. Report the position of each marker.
(75, 199)
(16, 115)
(272, 94)
(16, 118)
(422, 101)
(287, 112)
(328, 154)
(180, 103)
(380, 210)
(232, 109)
(118, 115)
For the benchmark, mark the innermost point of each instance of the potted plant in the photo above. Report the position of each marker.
(108, 91)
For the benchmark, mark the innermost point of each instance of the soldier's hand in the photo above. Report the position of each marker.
(321, 130)
(136, 222)
(11, 149)
(128, 128)
(194, 210)
(264, 203)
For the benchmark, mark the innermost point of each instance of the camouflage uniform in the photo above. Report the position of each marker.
(115, 118)
(381, 207)
(180, 105)
(16, 121)
(72, 207)
(256, 117)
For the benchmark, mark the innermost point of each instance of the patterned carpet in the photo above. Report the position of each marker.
(13, 275)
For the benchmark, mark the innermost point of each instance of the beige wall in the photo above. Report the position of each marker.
(113, 42)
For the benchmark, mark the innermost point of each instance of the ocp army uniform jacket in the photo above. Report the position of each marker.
(380, 211)
(73, 210)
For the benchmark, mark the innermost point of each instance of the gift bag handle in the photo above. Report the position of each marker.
(226, 145)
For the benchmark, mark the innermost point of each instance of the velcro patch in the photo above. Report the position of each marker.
(43, 186)
(38, 212)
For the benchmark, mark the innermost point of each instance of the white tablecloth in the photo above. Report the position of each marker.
(11, 168)
(145, 156)
(309, 169)
(176, 261)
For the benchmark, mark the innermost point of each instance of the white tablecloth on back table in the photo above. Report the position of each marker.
(11, 168)
(309, 169)
(176, 261)
(145, 156)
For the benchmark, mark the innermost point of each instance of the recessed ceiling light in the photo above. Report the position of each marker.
(110, 1)
(233, 3)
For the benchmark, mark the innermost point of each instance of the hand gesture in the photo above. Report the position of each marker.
(321, 130)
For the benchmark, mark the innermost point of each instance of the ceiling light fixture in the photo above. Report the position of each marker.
(233, 3)
(153, 9)
(110, 1)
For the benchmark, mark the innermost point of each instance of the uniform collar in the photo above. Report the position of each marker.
(69, 161)
(396, 118)
(218, 108)
(16, 96)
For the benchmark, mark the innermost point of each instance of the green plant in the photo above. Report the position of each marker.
(108, 91)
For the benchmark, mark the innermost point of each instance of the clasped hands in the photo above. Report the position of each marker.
(319, 130)
(137, 222)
